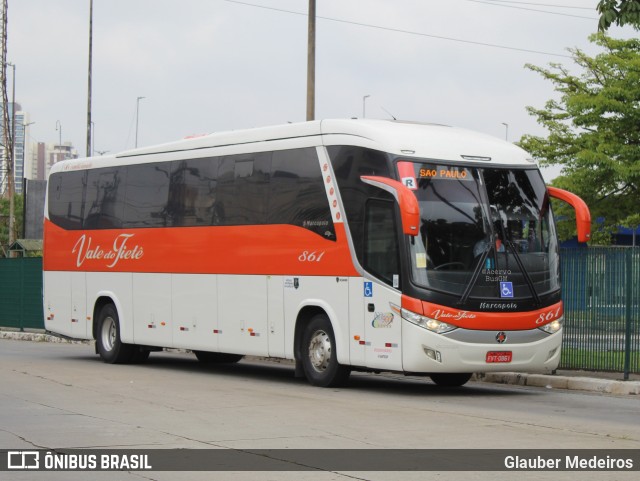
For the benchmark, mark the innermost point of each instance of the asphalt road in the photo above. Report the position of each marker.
(55, 396)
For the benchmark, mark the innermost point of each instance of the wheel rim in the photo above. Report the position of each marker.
(320, 351)
(109, 333)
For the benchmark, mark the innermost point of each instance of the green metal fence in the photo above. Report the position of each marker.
(21, 293)
(602, 309)
(601, 291)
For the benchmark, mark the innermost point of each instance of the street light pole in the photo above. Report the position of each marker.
(137, 112)
(364, 99)
(89, 78)
(93, 138)
(506, 131)
(311, 62)
(59, 129)
(24, 153)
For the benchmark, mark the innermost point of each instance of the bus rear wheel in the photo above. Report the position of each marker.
(451, 379)
(110, 348)
(319, 357)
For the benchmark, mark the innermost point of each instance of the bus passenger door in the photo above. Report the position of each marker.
(382, 323)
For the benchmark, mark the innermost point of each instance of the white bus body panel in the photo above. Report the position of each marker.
(276, 320)
(357, 350)
(195, 311)
(152, 322)
(383, 327)
(330, 294)
(57, 306)
(80, 323)
(242, 315)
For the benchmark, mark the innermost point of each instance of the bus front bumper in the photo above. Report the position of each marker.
(479, 351)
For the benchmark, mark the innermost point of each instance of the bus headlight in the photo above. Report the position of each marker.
(553, 326)
(433, 325)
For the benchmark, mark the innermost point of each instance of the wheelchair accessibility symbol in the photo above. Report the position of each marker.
(368, 289)
(506, 289)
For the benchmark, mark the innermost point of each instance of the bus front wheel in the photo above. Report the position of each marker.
(110, 348)
(451, 379)
(319, 357)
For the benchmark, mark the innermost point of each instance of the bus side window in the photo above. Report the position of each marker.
(349, 163)
(381, 250)
(65, 199)
(297, 195)
(146, 196)
(104, 199)
(242, 191)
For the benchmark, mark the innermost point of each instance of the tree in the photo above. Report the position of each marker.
(594, 131)
(4, 221)
(620, 12)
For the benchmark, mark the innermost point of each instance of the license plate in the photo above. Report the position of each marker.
(499, 356)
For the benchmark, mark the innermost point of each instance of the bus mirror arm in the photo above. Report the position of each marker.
(583, 216)
(409, 208)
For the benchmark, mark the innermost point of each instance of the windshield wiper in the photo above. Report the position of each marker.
(478, 269)
(526, 275)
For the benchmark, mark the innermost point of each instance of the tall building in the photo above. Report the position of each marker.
(48, 154)
(32, 160)
(21, 151)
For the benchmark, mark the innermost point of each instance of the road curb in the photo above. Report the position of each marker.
(604, 386)
(37, 337)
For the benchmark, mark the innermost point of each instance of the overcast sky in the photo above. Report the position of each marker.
(212, 65)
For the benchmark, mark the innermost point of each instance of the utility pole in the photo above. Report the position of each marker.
(9, 123)
(11, 188)
(137, 112)
(311, 62)
(6, 132)
(89, 78)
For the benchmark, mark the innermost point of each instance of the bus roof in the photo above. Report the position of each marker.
(407, 139)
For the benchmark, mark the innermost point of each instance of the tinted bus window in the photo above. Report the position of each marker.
(192, 195)
(147, 194)
(66, 191)
(243, 187)
(104, 200)
(298, 195)
(349, 164)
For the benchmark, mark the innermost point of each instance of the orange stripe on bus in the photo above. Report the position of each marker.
(503, 321)
(263, 249)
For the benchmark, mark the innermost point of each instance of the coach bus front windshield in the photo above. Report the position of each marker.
(485, 233)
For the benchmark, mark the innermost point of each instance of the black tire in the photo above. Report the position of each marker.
(451, 379)
(110, 348)
(217, 357)
(319, 357)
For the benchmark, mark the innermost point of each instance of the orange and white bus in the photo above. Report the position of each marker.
(341, 244)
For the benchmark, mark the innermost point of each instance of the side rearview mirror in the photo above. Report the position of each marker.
(583, 216)
(409, 208)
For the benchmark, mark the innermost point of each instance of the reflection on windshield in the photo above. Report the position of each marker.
(481, 230)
